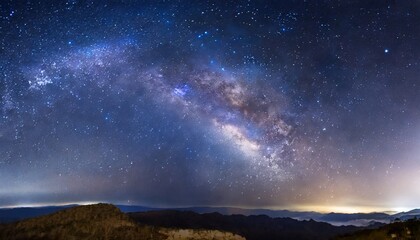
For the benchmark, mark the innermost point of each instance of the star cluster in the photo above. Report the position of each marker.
(244, 103)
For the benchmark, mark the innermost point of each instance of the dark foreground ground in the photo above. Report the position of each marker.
(105, 221)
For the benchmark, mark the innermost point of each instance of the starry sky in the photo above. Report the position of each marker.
(265, 104)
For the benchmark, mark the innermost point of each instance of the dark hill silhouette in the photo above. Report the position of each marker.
(415, 213)
(100, 221)
(251, 227)
(248, 212)
(357, 219)
(343, 217)
(105, 221)
(398, 230)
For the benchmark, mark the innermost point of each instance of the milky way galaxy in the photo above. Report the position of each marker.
(298, 104)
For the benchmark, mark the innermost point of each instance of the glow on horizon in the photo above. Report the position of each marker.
(330, 209)
(35, 205)
(302, 208)
(350, 209)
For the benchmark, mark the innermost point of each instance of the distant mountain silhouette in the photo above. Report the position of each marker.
(133, 208)
(249, 212)
(251, 227)
(15, 214)
(337, 219)
(106, 221)
(398, 230)
(342, 217)
(415, 213)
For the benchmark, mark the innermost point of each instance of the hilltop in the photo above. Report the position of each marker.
(99, 221)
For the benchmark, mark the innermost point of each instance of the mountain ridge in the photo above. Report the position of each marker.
(254, 227)
(100, 221)
(338, 219)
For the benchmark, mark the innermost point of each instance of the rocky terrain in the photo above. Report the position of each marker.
(96, 222)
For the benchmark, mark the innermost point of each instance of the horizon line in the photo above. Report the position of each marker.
(303, 208)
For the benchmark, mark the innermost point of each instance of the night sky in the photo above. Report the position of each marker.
(309, 105)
